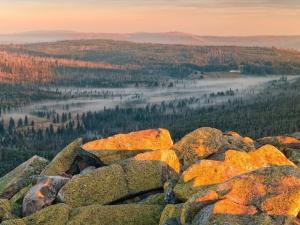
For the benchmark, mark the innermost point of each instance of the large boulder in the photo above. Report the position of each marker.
(237, 142)
(144, 172)
(52, 215)
(102, 186)
(209, 172)
(21, 176)
(42, 194)
(148, 171)
(5, 208)
(130, 214)
(280, 141)
(198, 145)
(272, 191)
(123, 146)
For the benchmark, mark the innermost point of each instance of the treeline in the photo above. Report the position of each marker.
(113, 63)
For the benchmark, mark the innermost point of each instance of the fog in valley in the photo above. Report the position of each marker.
(206, 92)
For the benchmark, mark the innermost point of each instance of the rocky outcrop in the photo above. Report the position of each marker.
(199, 144)
(141, 178)
(144, 172)
(209, 172)
(273, 191)
(21, 176)
(123, 146)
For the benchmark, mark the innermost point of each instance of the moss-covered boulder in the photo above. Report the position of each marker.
(273, 191)
(130, 214)
(150, 170)
(293, 155)
(102, 186)
(155, 199)
(123, 146)
(63, 160)
(280, 141)
(5, 208)
(170, 212)
(237, 142)
(199, 144)
(21, 176)
(209, 172)
(52, 215)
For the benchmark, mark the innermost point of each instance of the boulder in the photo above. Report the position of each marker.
(123, 146)
(148, 171)
(71, 160)
(272, 191)
(130, 214)
(237, 142)
(17, 200)
(209, 172)
(143, 173)
(155, 199)
(198, 145)
(170, 212)
(293, 155)
(280, 141)
(42, 194)
(296, 135)
(102, 186)
(52, 215)
(5, 208)
(21, 176)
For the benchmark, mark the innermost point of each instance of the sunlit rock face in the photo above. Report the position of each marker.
(210, 172)
(122, 146)
(273, 191)
(198, 145)
(141, 178)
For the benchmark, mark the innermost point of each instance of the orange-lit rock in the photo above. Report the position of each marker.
(199, 144)
(273, 191)
(280, 141)
(209, 172)
(122, 146)
(167, 157)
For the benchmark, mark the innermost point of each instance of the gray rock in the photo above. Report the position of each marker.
(42, 194)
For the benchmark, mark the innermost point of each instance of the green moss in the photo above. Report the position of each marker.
(14, 222)
(52, 215)
(143, 175)
(131, 214)
(33, 166)
(156, 199)
(170, 211)
(5, 208)
(101, 186)
(63, 160)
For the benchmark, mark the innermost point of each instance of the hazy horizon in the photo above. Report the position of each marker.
(201, 17)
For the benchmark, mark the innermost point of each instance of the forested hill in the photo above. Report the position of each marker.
(86, 62)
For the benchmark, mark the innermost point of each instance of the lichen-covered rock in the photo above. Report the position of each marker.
(123, 146)
(293, 155)
(296, 135)
(17, 200)
(52, 215)
(273, 191)
(148, 171)
(63, 160)
(130, 214)
(102, 186)
(170, 212)
(199, 144)
(20, 177)
(209, 172)
(237, 142)
(280, 141)
(155, 199)
(13, 222)
(42, 194)
(5, 208)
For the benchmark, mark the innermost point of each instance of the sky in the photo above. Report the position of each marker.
(202, 17)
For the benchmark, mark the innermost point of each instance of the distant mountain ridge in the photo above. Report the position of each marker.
(291, 42)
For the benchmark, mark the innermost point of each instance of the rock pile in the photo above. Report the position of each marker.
(142, 178)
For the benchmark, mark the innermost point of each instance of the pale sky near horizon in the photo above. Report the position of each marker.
(202, 17)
